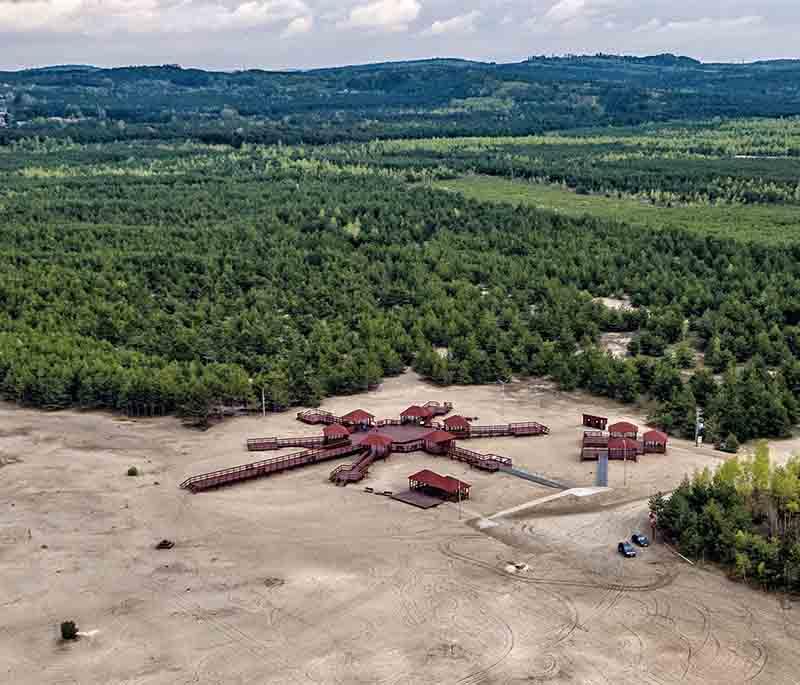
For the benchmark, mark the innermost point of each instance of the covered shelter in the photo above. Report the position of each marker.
(655, 441)
(623, 429)
(359, 419)
(623, 448)
(445, 487)
(380, 445)
(335, 432)
(456, 424)
(438, 442)
(592, 421)
(416, 414)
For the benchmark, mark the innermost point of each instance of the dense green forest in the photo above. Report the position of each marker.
(157, 278)
(444, 97)
(746, 516)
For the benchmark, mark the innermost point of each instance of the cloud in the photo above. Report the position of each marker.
(146, 16)
(386, 15)
(464, 23)
(565, 11)
(298, 26)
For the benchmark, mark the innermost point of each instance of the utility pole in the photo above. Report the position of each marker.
(503, 387)
(263, 402)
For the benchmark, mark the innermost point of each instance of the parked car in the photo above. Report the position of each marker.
(626, 549)
(641, 540)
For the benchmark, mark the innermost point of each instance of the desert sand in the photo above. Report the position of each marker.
(289, 579)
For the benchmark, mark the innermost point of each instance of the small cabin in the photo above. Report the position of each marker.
(380, 445)
(359, 419)
(438, 442)
(445, 487)
(623, 429)
(416, 414)
(335, 433)
(456, 424)
(623, 448)
(655, 441)
(592, 421)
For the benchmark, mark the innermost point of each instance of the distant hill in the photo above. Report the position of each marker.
(394, 99)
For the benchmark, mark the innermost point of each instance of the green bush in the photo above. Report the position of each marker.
(69, 631)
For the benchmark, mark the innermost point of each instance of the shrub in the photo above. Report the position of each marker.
(69, 631)
(731, 444)
(133, 471)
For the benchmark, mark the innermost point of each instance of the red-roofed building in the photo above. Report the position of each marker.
(380, 445)
(446, 487)
(655, 441)
(456, 424)
(438, 442)
(623, 448)
(360, 419)
(335, 433)
(623, 429)
(416, 414)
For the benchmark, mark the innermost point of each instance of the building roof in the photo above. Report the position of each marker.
(335, 430)
(623, 427)
(622, 444)
(655, 436)
(456, 422)
(439, 437)
(377, 440)
(358, 415)
(449, 484)
(418, 412)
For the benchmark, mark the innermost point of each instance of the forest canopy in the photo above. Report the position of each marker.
(155, 278)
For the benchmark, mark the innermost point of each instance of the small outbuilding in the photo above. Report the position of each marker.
(379, 444)
(623, 448)
(592, 421)
(438, 442)
(416, 414)
(335, 432)
(359, 419)
(445, 487)
(456, 424)
(623, 429)
(655, 441)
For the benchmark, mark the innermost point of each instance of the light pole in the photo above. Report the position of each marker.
(503, 387)
(263, 399)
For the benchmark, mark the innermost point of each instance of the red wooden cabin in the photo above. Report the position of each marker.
(380, 445)
(416, 414)
(456, 424)
(438, 442)
(592, 421)
(358, 419)
(445, 487)
(623, 448)
(623, 429)
(334, 433)
(655, 441)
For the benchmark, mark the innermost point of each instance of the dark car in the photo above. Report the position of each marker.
(626, 549)
(641, 540)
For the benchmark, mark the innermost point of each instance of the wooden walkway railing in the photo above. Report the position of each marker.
(352, 473)
(525, 428)
(315, 416)
(267, 444)
(487, 462)
(236, 474)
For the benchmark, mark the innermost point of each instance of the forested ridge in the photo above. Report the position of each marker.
(177, 278)
(439, 97)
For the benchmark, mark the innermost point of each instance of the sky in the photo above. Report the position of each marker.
(292, 34)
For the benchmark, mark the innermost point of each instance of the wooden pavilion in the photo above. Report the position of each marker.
(445, 487)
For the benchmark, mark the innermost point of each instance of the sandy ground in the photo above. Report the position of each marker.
(292, 580)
